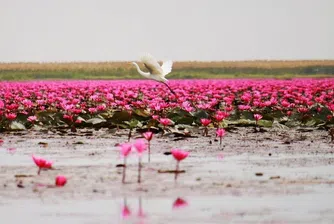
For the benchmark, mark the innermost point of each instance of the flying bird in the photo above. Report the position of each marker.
(155, 71)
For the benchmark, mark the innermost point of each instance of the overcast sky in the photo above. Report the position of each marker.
(109, 30)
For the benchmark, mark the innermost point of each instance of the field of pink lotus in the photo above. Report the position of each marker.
(199, 154)
(145, 104)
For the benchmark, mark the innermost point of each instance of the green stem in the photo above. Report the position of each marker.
(149, 151)
(139, 170)
(176, 170)
(124, 170)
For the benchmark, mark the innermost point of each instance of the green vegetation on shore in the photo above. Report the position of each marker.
(181, 70)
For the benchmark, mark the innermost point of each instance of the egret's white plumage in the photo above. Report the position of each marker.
(156, 71)
(167, 67)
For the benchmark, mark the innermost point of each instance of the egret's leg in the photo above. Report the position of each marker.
(169, 88)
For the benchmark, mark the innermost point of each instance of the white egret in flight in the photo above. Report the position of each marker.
(156, 71)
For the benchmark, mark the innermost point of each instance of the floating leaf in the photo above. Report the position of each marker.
(201, 114)
(22, 175)
(17, 126)
(171, 171)
(142, 113)
(95, 121)
(120, 116)
(265, 123)
(133, 123)
(276, 124)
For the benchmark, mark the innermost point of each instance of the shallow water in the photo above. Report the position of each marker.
(306, 208)
(295, 183)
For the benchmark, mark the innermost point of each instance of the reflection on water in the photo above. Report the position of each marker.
(125, 210)
(142, 216)
(179, 203)
(299, 208)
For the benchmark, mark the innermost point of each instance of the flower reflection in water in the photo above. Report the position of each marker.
(180, 203)
(126, 212)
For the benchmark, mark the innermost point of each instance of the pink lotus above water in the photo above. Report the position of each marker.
(141, 147)
(61, 181)
(178, 155)
(41, 163)
(125, 150)
(148, 136)
(220, 132)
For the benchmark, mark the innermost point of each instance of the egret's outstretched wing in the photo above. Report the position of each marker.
(167, 67)
(151, 64)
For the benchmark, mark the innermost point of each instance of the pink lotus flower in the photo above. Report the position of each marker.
(140, 146)
(165, 121)
(244, 107)
(257, 117)
(92, 110)
(180, 203)
(220, 133)
(32, 119)
(178, 155)
(42, 163)
(11, 116)
(60, 181)
(205, 122)
(219, 116)
(187, 107)
(155, 117)
(302, 110)
(148, 136)
(68, 117)
(1, 141)
(125, 151)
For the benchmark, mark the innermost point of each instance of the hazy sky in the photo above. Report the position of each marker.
(108, 30)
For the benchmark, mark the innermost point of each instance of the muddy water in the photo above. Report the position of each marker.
(280, 176)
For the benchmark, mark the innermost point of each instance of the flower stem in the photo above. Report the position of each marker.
(129, 135)
(176, 170)
(163, 131)
(206, 132)
(139, 169)
(39, 171)
(149, 151)
(124, 170)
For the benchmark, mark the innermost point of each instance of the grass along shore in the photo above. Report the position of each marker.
(181, 70)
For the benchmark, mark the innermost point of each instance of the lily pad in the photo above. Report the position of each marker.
(95, 121)
(17, 126)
